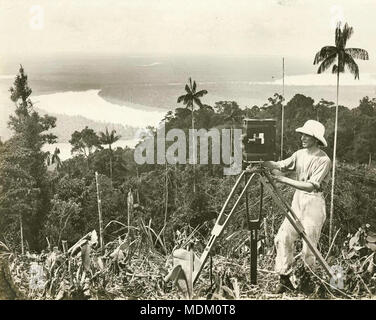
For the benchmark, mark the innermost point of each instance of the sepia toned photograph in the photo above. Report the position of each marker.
(196, 151)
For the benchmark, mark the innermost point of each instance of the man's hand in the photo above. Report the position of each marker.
(279, 178)
(301, 185)
(254, 168)
(276, 172)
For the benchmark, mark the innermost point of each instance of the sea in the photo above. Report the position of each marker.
(131, 92)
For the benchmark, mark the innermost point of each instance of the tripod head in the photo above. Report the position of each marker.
(255, 167)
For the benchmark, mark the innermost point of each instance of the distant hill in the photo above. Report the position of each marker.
(66, 125)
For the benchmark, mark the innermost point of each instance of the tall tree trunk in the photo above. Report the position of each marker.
(194, 152)
(176, 184)
(231, 134)
(369, 160)
(21, 233)
(166, 199)
(129, 212)
(138, 180)
(334, 166)
(282, 129)
(210, 157)
(282, 107)
(110, 164)
(99, 213)
(111, 169)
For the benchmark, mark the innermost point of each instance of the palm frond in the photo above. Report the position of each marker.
(357, 53)
(197, 101)
(192, 97)
(114, 137)
(335, 69)
(347, 32)
(326, 63)
(201, 93)
(189, 104)
(324, 53)
(108, 138)
(181, 98)
(352, 66)
(341, 61)
(113, 133)
(188, 99)
(103, 135)
(338, 35)
(4, 246)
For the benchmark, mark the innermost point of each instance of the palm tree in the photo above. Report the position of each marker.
(344, 57)
(109, 139)
(189, 99)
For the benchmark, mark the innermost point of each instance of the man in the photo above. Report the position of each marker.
(312, 170)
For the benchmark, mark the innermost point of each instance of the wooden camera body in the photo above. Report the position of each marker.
(259, 140)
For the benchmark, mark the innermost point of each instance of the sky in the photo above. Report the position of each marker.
(224, 27)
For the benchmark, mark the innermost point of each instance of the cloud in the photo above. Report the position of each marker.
(283, 27)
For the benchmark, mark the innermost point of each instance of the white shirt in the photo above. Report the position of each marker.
(309, 167)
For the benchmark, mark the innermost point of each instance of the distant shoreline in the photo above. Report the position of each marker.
(129, 104)
(90, 105)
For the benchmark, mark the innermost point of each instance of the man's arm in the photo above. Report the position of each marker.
(301, 185)
(267, 164)
(284, 165)
(271, 165)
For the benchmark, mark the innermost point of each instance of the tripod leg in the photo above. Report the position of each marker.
(253, 242)
(219, 227)
(211, 271)
(246, 204)
(254, 228)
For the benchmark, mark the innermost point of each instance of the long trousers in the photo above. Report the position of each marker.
(310, 209)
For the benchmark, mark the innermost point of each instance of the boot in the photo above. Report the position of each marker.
(307, 286)
(284, 284)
